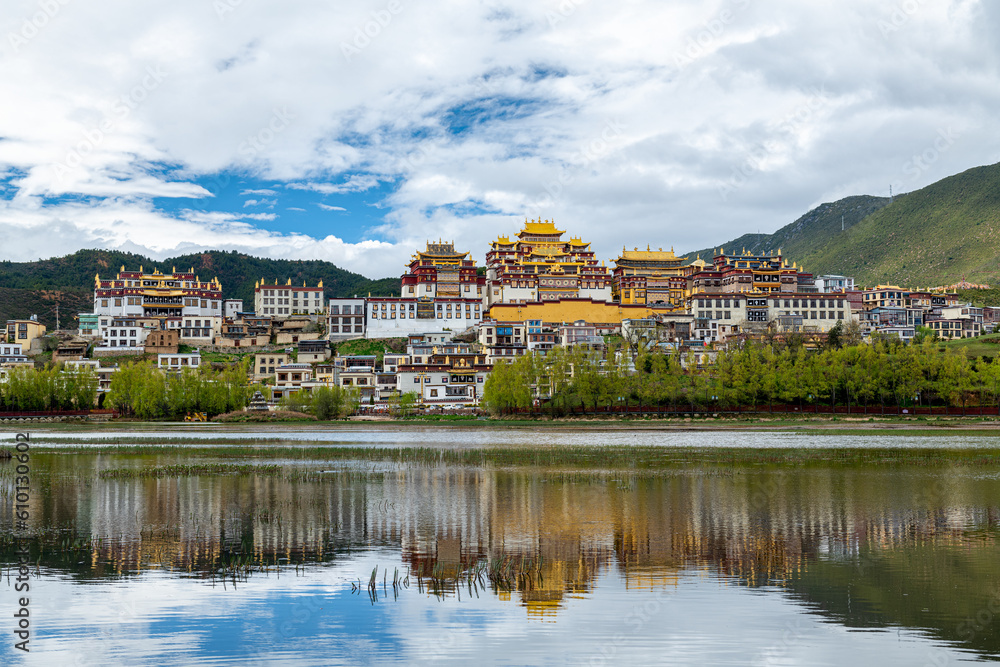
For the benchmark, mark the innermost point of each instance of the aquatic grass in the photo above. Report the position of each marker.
(596, 457)
(128, 441)
(190, 470)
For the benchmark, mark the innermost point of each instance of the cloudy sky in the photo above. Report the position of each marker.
(353, 132)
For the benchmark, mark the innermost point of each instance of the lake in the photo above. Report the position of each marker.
(334, 559)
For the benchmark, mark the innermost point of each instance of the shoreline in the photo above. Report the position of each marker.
(871, 425)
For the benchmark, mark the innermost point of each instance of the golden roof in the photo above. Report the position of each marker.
(647, 254)
(541, 227)
(441, 249)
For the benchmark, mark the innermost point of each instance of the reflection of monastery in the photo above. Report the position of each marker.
(756, 528)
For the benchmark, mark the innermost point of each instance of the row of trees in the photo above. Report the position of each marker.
(339, 402)
(31, 389)
(324, 402)
(144, 391)
(884, 372)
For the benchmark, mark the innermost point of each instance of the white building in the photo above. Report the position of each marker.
(717, 316)
(124, 332)
(282, 301)
(12, 353)
(346, 318)
(231, 308)
(834, 284)
(394, 317)
(199, 330)
(449, 376)
(178, 362)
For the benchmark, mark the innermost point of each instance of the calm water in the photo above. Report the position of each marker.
(758, 565)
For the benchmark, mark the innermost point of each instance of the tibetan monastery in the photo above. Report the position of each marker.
(157, 295)
(539, 265)
(441, 292)
(442, 271)
(746, 272)
(650, 277)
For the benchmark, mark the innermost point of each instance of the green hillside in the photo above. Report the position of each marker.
(938, 235)
(818, 227)
(34, 288)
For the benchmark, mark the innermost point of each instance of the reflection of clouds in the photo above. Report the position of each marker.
(312, 619)
(641, 570)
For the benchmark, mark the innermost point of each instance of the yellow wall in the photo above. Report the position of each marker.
(593, 312)
(34, 330)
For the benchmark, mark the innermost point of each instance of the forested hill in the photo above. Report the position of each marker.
(34, 288)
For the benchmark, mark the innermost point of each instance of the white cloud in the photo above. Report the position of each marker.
(326, 207)
(260, 202)
(682, 123)
(356, 183)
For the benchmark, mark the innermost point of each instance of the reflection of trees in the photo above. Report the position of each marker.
(817, 532)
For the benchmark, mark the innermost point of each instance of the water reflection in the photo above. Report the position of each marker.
(911, 547)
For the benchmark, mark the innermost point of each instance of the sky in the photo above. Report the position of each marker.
(355, 132)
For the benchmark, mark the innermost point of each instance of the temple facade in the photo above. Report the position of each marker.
(650, 277)
(442, 291)
(538, 265)
(441, 271)
(746, 272)
(169, 300)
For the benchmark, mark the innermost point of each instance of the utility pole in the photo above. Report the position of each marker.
(57, 316)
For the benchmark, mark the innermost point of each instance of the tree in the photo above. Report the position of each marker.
(325, 404)
(834, 338)
(924, 334)
(853, 334)
(402, 406)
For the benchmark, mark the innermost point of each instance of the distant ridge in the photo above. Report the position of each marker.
(938, 235)
(29, 288)
(800, 238)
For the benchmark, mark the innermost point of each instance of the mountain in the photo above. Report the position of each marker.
(938, 235)
(814, 229)
(28, 288)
